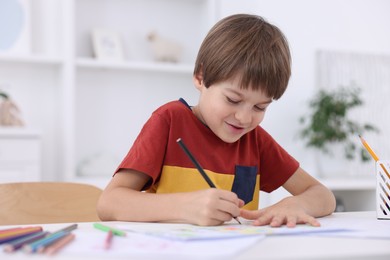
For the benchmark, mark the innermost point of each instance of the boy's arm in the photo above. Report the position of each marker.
(123, 200)
(310, 199)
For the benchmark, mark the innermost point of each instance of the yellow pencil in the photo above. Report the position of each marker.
(369, 149)
(373, 154)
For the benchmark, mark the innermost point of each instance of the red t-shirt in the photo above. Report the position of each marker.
(256, 161)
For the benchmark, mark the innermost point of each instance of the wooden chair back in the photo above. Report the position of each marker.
(47, 202)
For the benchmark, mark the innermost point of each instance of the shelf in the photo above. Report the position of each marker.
(12, 132)
(31, 59)
(350, 183)
(135, 66)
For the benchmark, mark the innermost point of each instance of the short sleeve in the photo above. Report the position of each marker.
(148, 151)
(276, 164)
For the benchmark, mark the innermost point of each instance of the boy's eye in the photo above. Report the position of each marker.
(232, 100)
(262, 109)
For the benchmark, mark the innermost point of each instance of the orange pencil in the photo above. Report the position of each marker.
(9, 230)
(58, 245)
(17, 233)
(369, 149)
(373, 154)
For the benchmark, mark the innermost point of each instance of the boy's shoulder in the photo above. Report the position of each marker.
(175, 111)
(175, 106)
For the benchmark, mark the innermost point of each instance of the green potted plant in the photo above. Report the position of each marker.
(329, 123)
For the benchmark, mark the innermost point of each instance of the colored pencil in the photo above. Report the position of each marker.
(9, 230)
(19, 233)
(16, 231)
(104, 228)
(44, 242)
(59, 244)
(68, 228)
(200, 169)
(368, 148)
(108, 241)
(373, 154)
(15, 245)
(195, 162)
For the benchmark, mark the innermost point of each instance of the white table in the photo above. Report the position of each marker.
(321, 247)
(302, 246)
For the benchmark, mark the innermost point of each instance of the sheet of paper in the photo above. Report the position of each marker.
(90, 243)
(186, 232)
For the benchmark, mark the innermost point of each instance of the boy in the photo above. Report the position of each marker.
(242, 66)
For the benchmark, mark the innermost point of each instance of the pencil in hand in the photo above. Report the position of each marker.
(199, 168)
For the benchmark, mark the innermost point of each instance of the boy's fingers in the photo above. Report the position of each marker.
(249, 214)
(313, 221)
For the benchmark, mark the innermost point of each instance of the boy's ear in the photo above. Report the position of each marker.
(198, 80)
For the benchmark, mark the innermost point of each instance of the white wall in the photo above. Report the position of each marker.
(348, 25)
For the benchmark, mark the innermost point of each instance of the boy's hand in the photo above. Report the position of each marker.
(210, 207)
(285, 212)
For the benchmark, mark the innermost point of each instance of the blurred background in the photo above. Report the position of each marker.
(78, 79)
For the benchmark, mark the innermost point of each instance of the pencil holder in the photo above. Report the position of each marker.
(383, 189)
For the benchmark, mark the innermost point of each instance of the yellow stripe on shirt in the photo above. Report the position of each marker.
(178, 179)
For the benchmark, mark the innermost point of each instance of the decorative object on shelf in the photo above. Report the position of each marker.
(107, 45)
(164, 49)
(15, 26)
(9, 111)
(329, 122)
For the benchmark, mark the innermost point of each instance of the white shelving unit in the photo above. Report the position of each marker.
(89, 107)
(354, 194)
(20, 155)
(350, 184)
(30, 59)
(105, 122)
(90, 63)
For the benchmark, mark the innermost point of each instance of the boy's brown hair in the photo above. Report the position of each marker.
(248, 46)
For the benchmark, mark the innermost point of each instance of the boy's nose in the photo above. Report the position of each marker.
(243, 116)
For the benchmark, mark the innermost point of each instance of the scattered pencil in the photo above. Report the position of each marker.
(39, 245)
(34, 239)
(15, 245)
(9, 230)
(108, 241)
(104, 228)
(58, 245)
(68, 228)
(14, 234)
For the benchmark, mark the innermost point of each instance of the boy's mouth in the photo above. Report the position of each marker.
(234, 127)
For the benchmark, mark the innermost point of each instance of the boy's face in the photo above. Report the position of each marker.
(228, 110)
